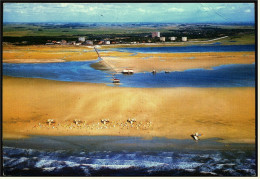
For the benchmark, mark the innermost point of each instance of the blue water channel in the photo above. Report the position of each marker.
(193, 48)
(221, 76)
(235, 75)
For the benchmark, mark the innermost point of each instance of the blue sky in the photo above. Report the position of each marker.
(129, 12)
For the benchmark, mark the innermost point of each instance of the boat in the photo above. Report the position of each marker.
(128, 71)
(116, 80)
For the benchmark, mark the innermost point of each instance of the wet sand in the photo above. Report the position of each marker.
(143, 62)
(227, 113)
(119, 143)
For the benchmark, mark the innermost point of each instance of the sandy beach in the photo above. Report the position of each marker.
(227, 113)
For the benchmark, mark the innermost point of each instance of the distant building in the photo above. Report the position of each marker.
(107, 42)
(72, 43)
(172, 38)
(184, 39)
(63, 42)
(82, 39)
(155, 34)
(89, 42)
(162, 39)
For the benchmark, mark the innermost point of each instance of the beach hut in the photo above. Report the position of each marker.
(77, 121)
(50, 121)
(131, 121)
(105, 121)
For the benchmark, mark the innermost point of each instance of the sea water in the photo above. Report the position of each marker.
(126, 156)
(192, 48)
(235, 75)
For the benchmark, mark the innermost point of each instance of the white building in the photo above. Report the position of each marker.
(82, 39)
(184, 39)
(155, 34)
(107, 42)
(172, 38)
(162, 39)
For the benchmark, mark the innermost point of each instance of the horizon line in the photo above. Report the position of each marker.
(245, 22)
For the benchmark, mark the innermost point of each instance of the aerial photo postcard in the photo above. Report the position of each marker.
(129, 89)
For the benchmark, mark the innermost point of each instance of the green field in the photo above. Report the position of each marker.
(36, 33)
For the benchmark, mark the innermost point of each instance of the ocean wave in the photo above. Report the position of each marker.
(32, 162)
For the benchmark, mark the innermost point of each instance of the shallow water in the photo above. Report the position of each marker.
(193, 48)
(126, 156)
(222, 76)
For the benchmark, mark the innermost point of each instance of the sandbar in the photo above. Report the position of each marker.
(226, 113)
(145, 62)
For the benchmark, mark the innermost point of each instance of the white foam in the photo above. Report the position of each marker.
(96, 166)
(190, 170)
(211, 173)
(44, 162)
(49, 169)
(71, 164)
(187, 165)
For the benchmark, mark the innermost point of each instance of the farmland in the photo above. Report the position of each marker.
(39, 33)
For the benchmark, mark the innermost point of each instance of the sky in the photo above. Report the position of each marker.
(130, 12)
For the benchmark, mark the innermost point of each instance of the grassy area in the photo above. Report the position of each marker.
(29, 34)
(14, 30)
(244, 39)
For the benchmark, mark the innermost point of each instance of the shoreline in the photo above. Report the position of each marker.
(114, 143)
(28, 102)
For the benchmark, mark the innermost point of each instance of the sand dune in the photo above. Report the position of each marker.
(227, 113)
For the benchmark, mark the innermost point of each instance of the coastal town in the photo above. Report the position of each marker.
(154, 37)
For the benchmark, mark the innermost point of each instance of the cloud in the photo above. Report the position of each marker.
(127, 12)
(63, 4)
(219, 7)
(205, 8)
(141, 10)
(174, 9)
(248, 10)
